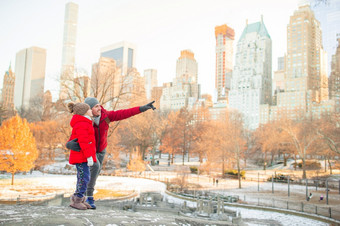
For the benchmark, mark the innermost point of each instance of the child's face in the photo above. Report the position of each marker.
(89, 113)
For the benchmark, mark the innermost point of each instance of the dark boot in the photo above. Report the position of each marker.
(90, 201)
(77, 203)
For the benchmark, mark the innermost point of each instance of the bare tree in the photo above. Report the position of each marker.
(302, 135)
(329, 130)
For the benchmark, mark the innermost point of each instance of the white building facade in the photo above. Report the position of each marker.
(69, 48)
(30, 66)
(251, 83)
(150, 78)
(184, 91)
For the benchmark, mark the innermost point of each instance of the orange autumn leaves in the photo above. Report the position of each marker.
(18, 149)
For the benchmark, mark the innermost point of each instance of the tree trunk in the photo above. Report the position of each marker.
(12, 178)
(183, 156)
(238, 169)
(325, 165)
(329, 165)
(245, 162)
(304, 176)
(272, 159)
(188, 156)
(223, 166)
(295, 165)
(153, 156)
(284, 160)
(265, 161)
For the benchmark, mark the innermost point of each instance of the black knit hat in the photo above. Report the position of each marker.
(78, 108)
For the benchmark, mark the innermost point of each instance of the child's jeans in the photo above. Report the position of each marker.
(83, 178)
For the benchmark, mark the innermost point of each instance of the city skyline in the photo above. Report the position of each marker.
(159, 30)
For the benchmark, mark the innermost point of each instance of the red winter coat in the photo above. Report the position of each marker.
(101, 130)
(83, 130)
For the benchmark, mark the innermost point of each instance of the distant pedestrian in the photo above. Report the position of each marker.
(309, 196)
(216, 182)
(321, 198)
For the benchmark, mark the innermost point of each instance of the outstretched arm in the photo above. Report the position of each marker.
(147, 107)
(127, 113)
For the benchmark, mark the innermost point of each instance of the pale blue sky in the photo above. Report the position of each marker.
(159, 28)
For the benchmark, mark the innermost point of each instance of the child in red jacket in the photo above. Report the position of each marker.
(82, 129)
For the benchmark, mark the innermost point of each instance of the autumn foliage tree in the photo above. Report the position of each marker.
(170, 138)
(136, 163)
(46, 134)
(18, 149)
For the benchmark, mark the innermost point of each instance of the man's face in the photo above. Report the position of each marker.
(96, 110)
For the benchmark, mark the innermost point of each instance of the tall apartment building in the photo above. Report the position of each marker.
(69, 49)
(334, 78)
(279, 76)
(306, 65)
(150, 78)
(184, 91)
(30, 65)
(156, 95)
(251, 83)
(224, 36)
(133, 89)
(280, 63)
(123, 53)
(105, 80)
(328, 14)
(8, 89)
(306, 82)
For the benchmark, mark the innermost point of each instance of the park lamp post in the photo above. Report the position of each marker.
(258, 181)
(288, 186)
(327, 191)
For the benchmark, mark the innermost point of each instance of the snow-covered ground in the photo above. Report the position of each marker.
(67, 183)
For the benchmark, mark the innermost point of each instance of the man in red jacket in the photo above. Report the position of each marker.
(102, 118)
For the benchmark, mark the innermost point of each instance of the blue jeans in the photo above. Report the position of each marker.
(83, 178)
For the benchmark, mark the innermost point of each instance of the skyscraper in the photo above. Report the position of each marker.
(184, 91)
(123, 53)
(8, 89)
(69, 48)
(280, 63)
(306, 83)
(328, 14)
(224, 60)
(150, 79)
(105, 80)
(305, 56)
(251, 83)
(30, 67)
(279, 76)
(334, 79)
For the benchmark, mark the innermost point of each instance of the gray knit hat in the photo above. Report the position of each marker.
(92, 101)
(78, 108)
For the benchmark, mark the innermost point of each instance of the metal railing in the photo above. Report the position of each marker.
(331, 212)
